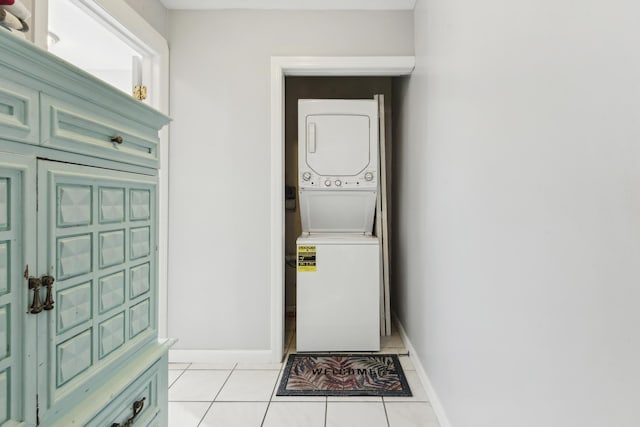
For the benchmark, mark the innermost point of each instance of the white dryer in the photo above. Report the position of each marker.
(337, 165)
(338, 278)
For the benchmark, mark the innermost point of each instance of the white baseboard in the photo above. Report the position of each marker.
(424, 378)
(217, 356)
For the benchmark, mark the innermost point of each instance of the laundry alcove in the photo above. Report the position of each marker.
(325, 87)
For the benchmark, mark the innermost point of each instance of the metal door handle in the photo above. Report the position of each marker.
(36, 305)
(48, 282)
(137, 408)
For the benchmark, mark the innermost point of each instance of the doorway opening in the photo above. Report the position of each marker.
(353, 71)
(300, 87)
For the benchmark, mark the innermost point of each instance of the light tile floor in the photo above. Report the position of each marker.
(244, 395)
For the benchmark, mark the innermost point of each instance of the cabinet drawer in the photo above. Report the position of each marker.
(18, 112)
(121, 409)
(85, 128)
(154, 422)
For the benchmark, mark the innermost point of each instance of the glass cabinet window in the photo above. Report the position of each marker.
(79, 38)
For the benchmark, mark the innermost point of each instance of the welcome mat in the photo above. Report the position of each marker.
(311, 374)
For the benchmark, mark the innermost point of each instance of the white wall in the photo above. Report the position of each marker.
(154, 13)
(219, 272)
(519, 217)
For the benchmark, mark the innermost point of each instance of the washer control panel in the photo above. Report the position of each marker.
(366, 179)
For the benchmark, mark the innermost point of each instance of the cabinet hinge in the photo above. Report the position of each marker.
(140, 92)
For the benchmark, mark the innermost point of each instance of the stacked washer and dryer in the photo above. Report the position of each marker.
(338, 269)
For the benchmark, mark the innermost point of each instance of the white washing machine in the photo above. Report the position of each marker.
(338, 270)
(338, 293)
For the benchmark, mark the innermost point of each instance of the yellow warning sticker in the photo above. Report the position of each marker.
(306, 258)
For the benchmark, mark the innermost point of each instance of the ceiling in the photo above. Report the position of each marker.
(292, 4)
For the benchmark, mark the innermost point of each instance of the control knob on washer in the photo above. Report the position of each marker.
(327, 183)
(338, 183)
(306, 176)
(368, 176)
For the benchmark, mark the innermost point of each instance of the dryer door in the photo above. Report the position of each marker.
(337, 145)
(337, 138)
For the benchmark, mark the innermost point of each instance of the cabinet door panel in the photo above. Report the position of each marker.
(82, 128)
(17, 326)
(18, 112)
(98, 240)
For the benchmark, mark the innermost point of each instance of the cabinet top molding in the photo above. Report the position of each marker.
(25, 62)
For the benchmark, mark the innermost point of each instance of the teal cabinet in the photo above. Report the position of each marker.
(78, 248)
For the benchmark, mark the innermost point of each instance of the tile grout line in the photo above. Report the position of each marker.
(177, 378)
(280, 372)
(386, 414)
(326, 410)
(174, 381)
(264, 418)
(217, 394)
(205, 413)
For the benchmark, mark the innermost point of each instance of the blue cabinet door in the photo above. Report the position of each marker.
(97, 238)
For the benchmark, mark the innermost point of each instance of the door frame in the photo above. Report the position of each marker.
(133, 29)
(282, 66)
